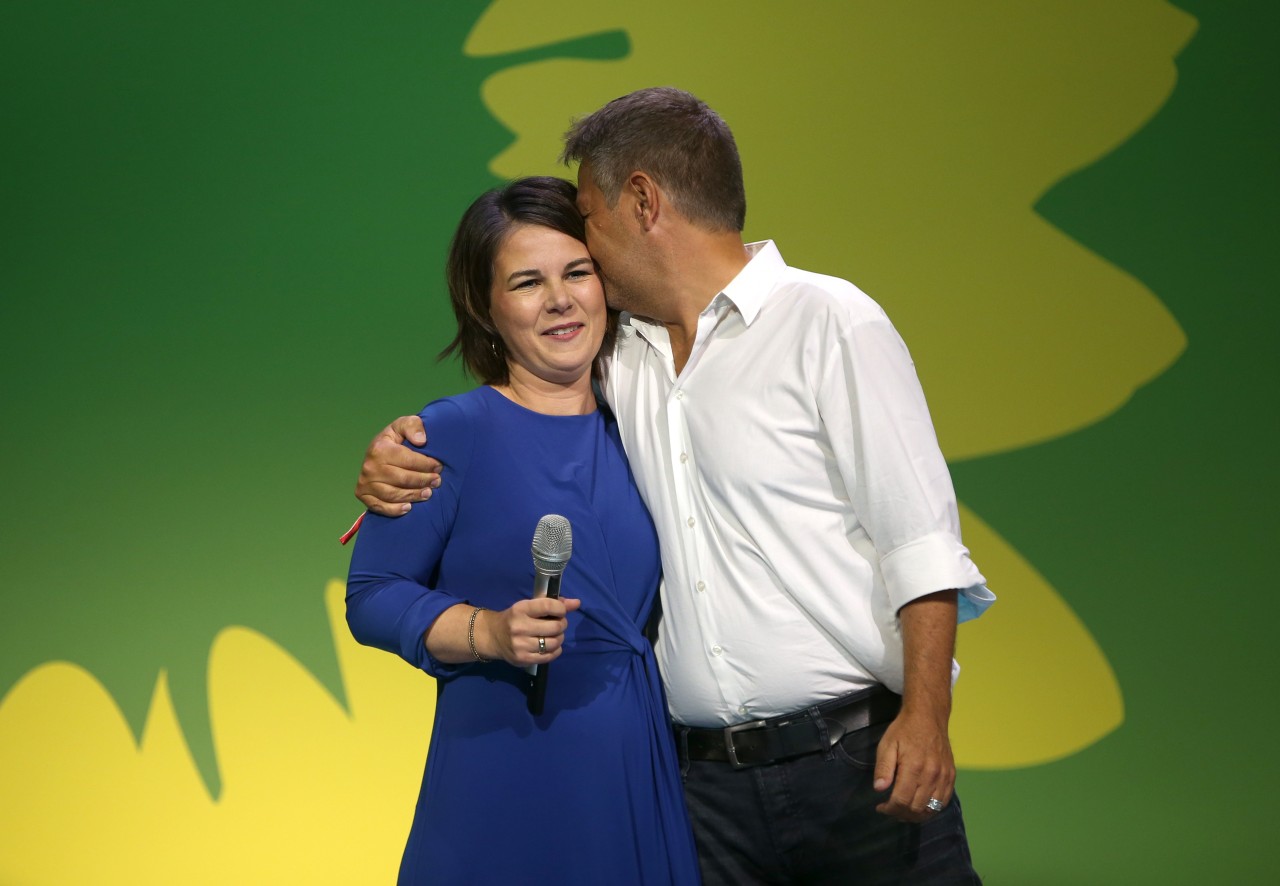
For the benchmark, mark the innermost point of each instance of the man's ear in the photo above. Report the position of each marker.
(649, 201)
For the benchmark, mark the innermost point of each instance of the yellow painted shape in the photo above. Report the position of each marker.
(903, 146)
(311, 795)
(1034, 685)
(314, 795)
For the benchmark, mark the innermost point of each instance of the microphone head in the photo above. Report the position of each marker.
(552, 543)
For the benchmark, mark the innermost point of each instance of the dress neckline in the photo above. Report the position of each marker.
(494, 393)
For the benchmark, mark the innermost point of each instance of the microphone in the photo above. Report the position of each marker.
(552, 547)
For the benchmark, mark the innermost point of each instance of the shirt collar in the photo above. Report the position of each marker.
(749, 290)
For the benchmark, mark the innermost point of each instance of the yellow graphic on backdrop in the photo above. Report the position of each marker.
(311, 793)
(904, 146)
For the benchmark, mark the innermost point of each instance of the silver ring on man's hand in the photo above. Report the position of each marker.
(542, 647)
(934, 805)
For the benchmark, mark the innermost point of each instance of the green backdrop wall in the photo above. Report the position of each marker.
(222, 241)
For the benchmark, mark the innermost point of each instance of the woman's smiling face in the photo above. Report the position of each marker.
(547, 304)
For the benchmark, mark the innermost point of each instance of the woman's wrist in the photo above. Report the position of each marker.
(472, 630)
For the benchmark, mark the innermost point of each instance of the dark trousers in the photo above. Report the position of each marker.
(812, 820)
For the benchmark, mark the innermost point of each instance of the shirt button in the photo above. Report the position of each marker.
(702, 586)
(742, 709)
(679, 395)
(684, 457)
(690, 521)
(716, 650)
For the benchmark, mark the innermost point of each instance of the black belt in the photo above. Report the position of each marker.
(804, 732)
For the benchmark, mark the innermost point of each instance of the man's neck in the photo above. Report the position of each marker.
(700, 267)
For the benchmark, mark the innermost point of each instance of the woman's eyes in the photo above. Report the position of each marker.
(575, 274)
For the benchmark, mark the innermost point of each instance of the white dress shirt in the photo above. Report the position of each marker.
(798, 490)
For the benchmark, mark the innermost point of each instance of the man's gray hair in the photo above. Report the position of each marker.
(674, 137)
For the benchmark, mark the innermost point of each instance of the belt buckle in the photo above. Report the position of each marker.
(729, 732)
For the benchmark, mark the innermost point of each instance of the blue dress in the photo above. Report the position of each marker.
(588, 792)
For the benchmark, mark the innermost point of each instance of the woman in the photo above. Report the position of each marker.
(587, 791)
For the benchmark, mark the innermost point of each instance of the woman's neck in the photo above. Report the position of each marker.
(550, 398)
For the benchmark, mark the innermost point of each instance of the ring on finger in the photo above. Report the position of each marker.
(542, 648)
(934, 805)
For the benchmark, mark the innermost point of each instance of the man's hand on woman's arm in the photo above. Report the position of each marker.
(393, 476)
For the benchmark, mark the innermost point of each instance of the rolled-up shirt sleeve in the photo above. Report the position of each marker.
(887, 453)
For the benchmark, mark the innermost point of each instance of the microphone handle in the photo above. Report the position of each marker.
(544, 585)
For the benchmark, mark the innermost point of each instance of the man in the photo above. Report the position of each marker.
(813, 570)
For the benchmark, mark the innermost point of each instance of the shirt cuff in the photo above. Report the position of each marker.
(932, 563)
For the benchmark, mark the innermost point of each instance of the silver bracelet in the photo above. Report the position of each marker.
(471, 633)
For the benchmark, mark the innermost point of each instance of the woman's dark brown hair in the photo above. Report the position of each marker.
(538, 200)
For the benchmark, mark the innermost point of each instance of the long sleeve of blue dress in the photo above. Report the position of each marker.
(392, 599)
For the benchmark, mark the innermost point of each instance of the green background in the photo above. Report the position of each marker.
(220, 275)
(1161, 520)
